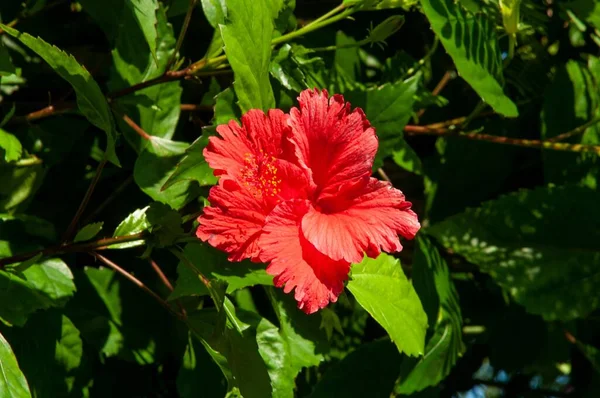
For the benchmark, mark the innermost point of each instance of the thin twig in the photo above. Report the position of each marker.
(195, 108)
(449, 75)
(169, 286)
(576, 131)
(138, 283)
(113, 195)
(53, 251)
(161, 275)
(84, 202)
(184, 28)
(140, 131)
(555, 146)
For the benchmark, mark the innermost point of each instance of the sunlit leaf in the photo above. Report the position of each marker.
(12, 381)
(250, 25)
(381, 287)
(472, 43)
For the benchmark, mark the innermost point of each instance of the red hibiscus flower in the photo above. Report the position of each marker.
(296, 191)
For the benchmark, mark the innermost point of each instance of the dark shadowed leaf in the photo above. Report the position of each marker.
(155, 109)
(213, 264)
(431, 278)
(570, 101)
(90, 100)
(50, 352)
(548, 260)
(370, 371)
(235, 349)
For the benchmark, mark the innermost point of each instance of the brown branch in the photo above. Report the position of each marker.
(99, 244)
(195, 108)
(161, 275)
(138, 283)
(140, 131)
(555, 146)
(84, 202)
(168, 76)
(449, 75)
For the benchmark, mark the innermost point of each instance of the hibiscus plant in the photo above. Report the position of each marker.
(299, 198)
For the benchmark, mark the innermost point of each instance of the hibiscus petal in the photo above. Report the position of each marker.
(337, 145)
(368, 220)
(234, 221)
(258, 135)
(295, 263)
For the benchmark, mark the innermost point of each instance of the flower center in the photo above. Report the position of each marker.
(259, 174)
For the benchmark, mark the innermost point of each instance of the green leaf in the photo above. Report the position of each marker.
(133, 224)
(225, 107)
(370, 371)
(305, 341)
(153, 168)
(273, 350)
(588, 10)
(90, 100)
(12, 381)
(547, 260)
(381, 4)
(166, 224)
(472, 43)
(250, 26)
(106, 310)
(11, 146)
(156, 109)
(145, 15)
(484, 168)
(50, 352)
(388, 108)
(6, 66)
(381, 287)
(193, 167)
(432, 282)
(106, 14)
(570, 101)
(215, 12)
(214, 265)
(235, 349)
(19, 185)
(43, 285)
(88, 232)
(199, 375)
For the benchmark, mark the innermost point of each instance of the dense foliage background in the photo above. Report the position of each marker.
(488, 118)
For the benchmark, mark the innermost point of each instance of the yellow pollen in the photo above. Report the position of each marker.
(259, 174)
